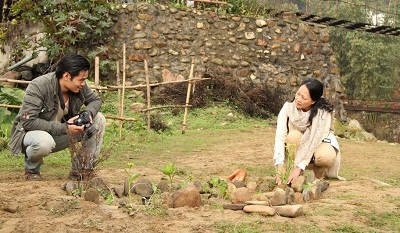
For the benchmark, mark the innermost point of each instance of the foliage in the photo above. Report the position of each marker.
(107, 195)
(8, 96)
(68, 25)
(131, 178)
(369, 62)
(288, 166)
(169, 170)
(221, 185)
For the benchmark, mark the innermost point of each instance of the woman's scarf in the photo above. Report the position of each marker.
(312, 134)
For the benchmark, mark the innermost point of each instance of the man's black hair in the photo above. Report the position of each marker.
(73, 64)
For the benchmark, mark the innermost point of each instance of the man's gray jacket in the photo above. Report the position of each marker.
(40, 106)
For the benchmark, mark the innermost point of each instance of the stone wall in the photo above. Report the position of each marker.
(279, 52)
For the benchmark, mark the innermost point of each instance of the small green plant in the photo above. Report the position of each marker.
(78, 192)
(131, 178)
(65, 207)
(108, 196)
(169, 170)
(221, 185)
(287, 168)
(307, 186)
(154, 204)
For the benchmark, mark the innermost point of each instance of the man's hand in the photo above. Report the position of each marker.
(74, 129)
(294, 174)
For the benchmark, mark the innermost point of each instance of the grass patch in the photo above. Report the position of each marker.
(140, 146)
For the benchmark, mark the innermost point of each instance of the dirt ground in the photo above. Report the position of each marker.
(44, 207)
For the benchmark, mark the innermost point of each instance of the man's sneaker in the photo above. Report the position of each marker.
(32, 175)
(83, 175)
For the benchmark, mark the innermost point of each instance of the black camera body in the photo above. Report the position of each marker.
(84, 119)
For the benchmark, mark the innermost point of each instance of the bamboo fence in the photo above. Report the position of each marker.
(121, 92)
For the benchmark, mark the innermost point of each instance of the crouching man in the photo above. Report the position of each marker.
(51, 118)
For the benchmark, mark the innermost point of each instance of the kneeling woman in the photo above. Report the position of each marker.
(307, 124)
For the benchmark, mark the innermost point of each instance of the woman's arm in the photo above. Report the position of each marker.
(280, 135)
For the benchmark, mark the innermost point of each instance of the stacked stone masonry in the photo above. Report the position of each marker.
(279, 52)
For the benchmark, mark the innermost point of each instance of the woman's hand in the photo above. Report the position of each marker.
(294, 174)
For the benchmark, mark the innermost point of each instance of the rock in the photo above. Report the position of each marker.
(69, 188)
(143, 187)
(231, 187)
(260, 209)
(122, 202)
(233, 206)
(119, 190)
(308, 195)
(290, 211)
(238, 184)
(241, 195)
(265, 186)
(11, 208)
(298, 198)
(259, 197)
(189, 196)
(368, 137)
(289, 195)
(316, 191)
(13, 75)
(279, 198)
(163, 186)
(324, 186)
(98, 183)
(297, 183)
(252, 186)
(269, 195)
(27, 75)
(257, 203)
(92, 195)
(310, 177)
(137, 107)
(198, 184)
(167, 200)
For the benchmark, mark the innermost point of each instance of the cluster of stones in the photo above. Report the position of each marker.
(286, 202)
(283, 202)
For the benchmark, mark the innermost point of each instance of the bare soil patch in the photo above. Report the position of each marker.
(44, 207)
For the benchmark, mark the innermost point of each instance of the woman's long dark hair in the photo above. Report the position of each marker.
(316, 89)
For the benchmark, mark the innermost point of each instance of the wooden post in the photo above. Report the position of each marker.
(123, 87)
(148, 93)
(119, 98)
(188, 97)
(96, 73)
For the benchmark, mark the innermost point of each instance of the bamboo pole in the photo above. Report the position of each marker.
(123, 88)
(188, 97)
(139, 86)
(148, 94)
(166, 106)
(121, 118)
(96, 73)
(14, 81)
(119, 97)
(113, 88)
(9, 106)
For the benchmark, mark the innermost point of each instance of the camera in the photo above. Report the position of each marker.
(84, 119)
